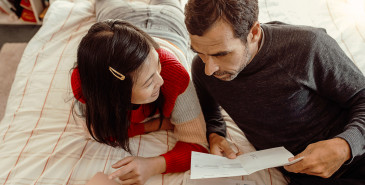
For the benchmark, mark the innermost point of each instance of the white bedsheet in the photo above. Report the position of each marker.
(41, 143)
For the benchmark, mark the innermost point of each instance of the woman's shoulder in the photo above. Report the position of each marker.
(176, 78)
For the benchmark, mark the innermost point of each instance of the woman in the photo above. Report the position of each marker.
(129, 83)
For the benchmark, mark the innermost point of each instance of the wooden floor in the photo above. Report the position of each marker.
(17, 33)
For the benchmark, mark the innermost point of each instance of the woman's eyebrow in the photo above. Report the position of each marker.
(148, 79)
(152, 74)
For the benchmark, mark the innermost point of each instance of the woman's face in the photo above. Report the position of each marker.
(146, 88)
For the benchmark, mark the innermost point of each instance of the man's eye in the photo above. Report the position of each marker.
(221, 55)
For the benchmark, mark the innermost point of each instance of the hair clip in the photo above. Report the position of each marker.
(116, 73)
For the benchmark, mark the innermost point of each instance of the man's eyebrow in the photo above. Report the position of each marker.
(191, 47)
(221, 53)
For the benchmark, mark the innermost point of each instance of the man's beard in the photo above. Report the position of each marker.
(235, 74)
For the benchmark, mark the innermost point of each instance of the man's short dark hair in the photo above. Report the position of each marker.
(200, 15)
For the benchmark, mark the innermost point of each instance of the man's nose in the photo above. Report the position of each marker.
(210, 66)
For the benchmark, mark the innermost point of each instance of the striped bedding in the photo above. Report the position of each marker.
(41, 142)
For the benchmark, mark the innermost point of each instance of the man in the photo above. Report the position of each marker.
(283, 85)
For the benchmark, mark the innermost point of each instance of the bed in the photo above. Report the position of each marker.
(41, 142)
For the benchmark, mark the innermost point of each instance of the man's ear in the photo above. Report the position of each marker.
(254, 34)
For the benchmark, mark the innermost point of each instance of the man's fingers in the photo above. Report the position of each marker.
(239, 153)
(122, 162)
(216, 150)
(228, 150)
(219, 146)
(297, 167)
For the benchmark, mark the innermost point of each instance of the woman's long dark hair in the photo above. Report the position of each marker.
(123, 47)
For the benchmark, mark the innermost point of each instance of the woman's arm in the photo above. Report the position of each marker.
(153, 125)
(149, 126)
(178, 159)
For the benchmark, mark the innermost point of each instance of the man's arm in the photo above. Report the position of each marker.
(210, 108)
(335, 77)
(216, 126)
(354, 132)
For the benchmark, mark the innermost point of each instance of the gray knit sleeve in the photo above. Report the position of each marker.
(334, 76)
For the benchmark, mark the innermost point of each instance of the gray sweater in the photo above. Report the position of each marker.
(299, 89)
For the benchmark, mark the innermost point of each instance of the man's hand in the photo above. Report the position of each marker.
(137, 170)
(220, 146)
(322, 159)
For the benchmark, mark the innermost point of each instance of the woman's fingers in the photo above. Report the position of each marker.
(122, 171)
(131, 181)
(123, 162)
(127, 176)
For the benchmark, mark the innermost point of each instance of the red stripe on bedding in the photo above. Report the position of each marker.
(167, 145)
(45, 166)
(167, 140)
(139, 144)
(338, 29)
(107, 159)
(73, 168)
(68, 120)
(268, 170)
(35, 63)
(21, 101)
(163, 175)
(87, 141)
(41, 113)
(357, 29)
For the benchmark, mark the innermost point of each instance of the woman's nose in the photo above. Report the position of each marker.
(159, 79)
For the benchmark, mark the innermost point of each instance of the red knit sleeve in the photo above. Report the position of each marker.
(178, 159)
(137, 116)
(176, 79)
(135, 129)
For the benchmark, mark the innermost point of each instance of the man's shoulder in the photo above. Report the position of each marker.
(299, 32)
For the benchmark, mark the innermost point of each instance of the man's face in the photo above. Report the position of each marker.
(224, 55)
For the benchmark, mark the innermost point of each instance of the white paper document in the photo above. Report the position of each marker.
(213, 166)
(218, 181)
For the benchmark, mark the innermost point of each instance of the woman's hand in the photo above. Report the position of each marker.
(153, 125)
(137, 170)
